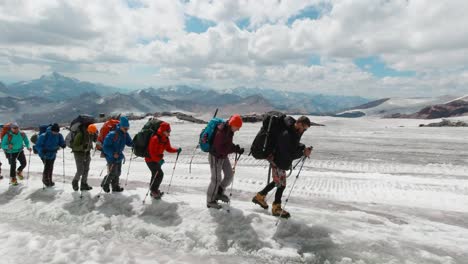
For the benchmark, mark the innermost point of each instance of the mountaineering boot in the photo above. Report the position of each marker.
(214, 205)
(85, 187)
(260, 200)
(20, 176)
(277, 211)
(105, 187)
(13, 181)
(75, 185)
(220, 196)
(157, 194)
(117, 188)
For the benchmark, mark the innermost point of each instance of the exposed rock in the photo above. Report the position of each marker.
(446, 123)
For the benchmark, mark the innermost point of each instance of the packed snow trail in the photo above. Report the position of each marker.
(345, 209)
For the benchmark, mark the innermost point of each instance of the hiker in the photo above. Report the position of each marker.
(287, 149)
(81, 147)
(13, 143)
(47, 146)
(159, 143)
(221, 147)
(113, 147)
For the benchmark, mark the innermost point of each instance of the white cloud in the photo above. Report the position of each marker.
(107, 40)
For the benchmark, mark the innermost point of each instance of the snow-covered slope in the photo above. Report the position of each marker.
(374, 191)
(398, 105)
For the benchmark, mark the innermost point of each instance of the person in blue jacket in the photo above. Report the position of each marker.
(13, 143)
(113, 147)
(47, 146)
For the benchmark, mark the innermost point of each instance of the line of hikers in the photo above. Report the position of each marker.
(278, 142)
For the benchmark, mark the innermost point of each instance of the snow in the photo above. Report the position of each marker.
(374, 191)
(402, 106)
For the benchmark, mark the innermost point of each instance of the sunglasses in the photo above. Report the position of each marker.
(14, 127)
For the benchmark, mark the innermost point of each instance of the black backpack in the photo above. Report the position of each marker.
(141, 139)
(79, 123)
(264, 143)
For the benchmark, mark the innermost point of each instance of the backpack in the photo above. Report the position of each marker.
(141, 139)
(108, 126)
(264, 143)
(208, 133)
(79, 123)
(42, 130)
(7, 128)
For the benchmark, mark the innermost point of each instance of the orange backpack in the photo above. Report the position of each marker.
(5, 129)
(108, 126)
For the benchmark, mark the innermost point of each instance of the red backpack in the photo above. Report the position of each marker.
(108, 126)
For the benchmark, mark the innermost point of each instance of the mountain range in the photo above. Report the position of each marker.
(57, 98)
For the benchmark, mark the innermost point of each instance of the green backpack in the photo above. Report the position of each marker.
(141, 139)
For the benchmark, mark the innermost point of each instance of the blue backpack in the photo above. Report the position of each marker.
(42, 130)
(207, 134)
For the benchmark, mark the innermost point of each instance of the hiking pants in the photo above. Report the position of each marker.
(12, 157)
(48, 170)
(113, 176)
(157, 175)
(216, 166)
(279, 181)
(82, 160)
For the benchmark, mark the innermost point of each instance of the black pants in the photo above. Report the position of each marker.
(12, 157)
(113, 176)
(279, 191)
(48, 170)
(157, 172)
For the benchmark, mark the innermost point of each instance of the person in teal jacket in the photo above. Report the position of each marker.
(13, 144)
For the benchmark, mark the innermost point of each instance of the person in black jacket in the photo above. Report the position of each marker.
(288, 148)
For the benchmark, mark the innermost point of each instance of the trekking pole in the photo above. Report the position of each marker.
(151, 184)
(109, 170)
(173, 170)
(232, 183)
(191, 159)
(128, 171)
(29, 165)
(292, 187)
(63, 154)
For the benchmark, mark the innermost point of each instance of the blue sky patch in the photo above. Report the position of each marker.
(314, 60)
(310, 12)
(197, 25)
(378, 68)
(243, 23)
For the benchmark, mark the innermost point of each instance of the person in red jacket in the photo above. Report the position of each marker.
(158, 144)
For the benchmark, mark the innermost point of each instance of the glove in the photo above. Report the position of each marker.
(238, 149)
(179, 150)
(161, 162)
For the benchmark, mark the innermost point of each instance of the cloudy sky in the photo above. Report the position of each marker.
(371, 48)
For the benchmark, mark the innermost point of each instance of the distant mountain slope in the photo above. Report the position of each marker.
(57, 87)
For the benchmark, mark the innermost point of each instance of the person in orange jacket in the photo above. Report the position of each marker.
(158, 144)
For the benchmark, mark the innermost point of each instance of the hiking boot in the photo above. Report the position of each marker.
(85, 187)
(51, 184)
(105, 187)
(157, 194)
(276, 210)
(222, 197)
(214, 205)
(260, 200)
(13, 181)
(1, 177)
(75, 185)
(20, 176)
(117, 188)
